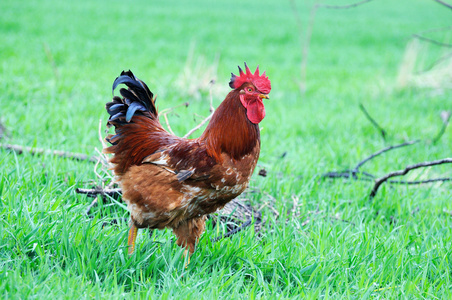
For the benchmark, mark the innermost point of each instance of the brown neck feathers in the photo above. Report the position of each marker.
(230, 131)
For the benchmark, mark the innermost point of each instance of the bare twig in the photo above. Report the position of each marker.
(165, 115)
(361, 163)
(349, 174)
(35, 151)
(99, 191)
(445, 117)
(343, 6)
(444, 3)
(305, 41)
(420, 181)
(382, 131)
(309, 216)
(337, 217)
(432, 41)
(171, 109)
(436, 63)
(199, 125)
(383, 179)
(93, 204)
(232, 232)
(353, 173)
(212, 111)
(2, 130)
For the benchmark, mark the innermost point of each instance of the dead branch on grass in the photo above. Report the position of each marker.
(444, 3)
(198, 126)
(364, 176)
(39, 151)
(445, 117)
(343, 6)
(432, 41)
(305, 40)
(99, 191)
(381, 180)
(353, 173)
(212, 111)
(372, 120)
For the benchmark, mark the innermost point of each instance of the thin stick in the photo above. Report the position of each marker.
(34, 151)
(382, 131)
(444, 3)
(99, 191)
(349, 174)
(383, 179)
(2, 130)
(420, 181)
(88, 210)
(170, 109)
(199, 125)
(445, 118)
(437, 62)
(212, 111)
(165, 115)
(343, 6)
(232, 232)
(355, 171)
(381, 152)
(432, 41)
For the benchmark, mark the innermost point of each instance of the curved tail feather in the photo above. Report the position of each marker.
(137, 100)
(135, 118)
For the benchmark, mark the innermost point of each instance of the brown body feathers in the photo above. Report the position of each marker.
(173, 182)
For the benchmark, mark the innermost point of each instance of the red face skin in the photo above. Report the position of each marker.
(251, 99)
(254, 88)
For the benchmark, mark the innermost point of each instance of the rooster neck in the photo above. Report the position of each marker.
(230, 131)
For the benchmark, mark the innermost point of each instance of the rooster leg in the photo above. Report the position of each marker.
(132, 237)
(188, 233)
(188, 257)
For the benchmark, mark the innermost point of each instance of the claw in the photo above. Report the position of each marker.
(132, 237)
(186, 253)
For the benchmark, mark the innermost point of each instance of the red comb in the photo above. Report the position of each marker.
(261, 82)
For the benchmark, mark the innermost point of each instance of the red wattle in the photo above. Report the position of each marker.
(255, 111)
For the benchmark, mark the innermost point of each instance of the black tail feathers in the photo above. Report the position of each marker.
(136, 100)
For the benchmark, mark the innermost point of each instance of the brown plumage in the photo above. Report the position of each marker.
(168, 181)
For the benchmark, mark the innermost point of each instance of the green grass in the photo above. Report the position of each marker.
(57, 64)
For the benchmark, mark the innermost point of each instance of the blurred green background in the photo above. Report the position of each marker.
(59, 59)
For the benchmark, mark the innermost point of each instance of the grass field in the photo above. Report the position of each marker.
(58, 60)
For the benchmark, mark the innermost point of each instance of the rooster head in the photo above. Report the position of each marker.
(252, 89)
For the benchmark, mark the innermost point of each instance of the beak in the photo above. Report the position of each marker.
(263, 96)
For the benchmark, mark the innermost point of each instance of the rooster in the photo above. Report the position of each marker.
(173, 182)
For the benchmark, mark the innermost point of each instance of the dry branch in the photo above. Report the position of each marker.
(165, 115)
(99, 191)
(372, 120)
(353, 173)
(445, 117)
(444, 3)
(2, 130)
(432, 41)
(343, 6)
(212, 111)
(383, 151)
(383, 179)
(198, 126)
(35, 151)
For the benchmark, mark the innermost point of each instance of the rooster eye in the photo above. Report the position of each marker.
(249, 89)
